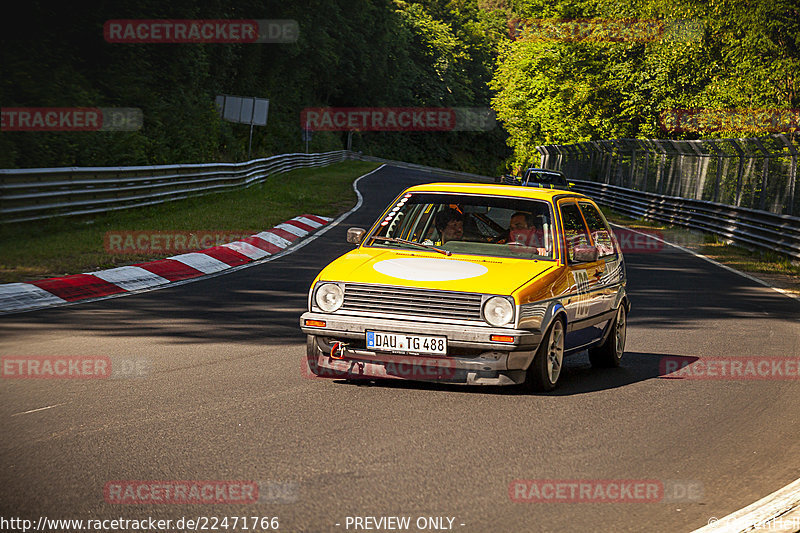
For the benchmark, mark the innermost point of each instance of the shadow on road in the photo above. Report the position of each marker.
(578, 377)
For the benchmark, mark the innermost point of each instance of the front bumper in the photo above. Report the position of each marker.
(472, 358)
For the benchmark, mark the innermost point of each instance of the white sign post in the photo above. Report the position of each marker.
(244, 110)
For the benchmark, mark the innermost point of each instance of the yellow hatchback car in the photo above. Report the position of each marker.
(473, 284)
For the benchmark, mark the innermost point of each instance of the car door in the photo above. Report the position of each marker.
(584, 299)
(612, 271)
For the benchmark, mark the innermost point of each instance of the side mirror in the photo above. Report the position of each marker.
(355, 235)
(583, 253)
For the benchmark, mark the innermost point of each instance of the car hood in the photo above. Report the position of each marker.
(431, 270)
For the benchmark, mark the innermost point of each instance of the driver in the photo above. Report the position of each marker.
(520, 231)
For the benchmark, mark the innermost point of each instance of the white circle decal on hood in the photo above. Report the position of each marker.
(428, 269)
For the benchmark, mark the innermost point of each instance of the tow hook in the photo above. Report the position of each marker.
(337, 351)
(356, 364)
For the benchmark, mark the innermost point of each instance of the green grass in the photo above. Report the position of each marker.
(779, 270)
(70, 245)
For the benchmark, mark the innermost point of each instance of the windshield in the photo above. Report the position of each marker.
(468, 224)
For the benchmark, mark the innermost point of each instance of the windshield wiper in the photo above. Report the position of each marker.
(404, 241)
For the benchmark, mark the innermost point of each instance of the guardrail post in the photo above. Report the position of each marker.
(702, 168)
(645, 147)
(616, 157)
(739, 171)
(608, 160)
(581, 160)
(621, 154)
(566, 158)
(658, 187)
(712, 143)
(790, 187)
(670, 177)
(680, 174)
(542, 156)
(585, 158)
(597, 160)
(577, 159)
(559, 158)
(762, 201)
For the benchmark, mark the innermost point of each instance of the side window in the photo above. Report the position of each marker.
(601, 234)
(575, 233)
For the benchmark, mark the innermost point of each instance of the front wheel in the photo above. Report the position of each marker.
(546, 366)
(312, 352)
(609, 354)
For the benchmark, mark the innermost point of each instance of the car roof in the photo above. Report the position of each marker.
(496, 190)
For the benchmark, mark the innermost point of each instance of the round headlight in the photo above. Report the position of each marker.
(329, 297)
(498, 311)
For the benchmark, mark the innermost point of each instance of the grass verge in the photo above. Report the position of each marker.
(776, 269)
(70, 245)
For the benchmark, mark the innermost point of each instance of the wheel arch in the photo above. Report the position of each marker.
(556, 311)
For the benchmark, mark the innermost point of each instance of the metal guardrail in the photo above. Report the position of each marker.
(35, 194)
(758, 172)
(40, 193)
(751, 227)
(745, 190)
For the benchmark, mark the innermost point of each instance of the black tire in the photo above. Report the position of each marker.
(609, 354)
(312, 352)
(545, 369)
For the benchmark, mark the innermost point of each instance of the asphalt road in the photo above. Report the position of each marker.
(224, 398)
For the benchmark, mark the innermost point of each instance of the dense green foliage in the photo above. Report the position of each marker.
(364, 53)
(743, 54)
(359, 53)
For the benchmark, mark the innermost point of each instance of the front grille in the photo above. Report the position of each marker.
(405, 301)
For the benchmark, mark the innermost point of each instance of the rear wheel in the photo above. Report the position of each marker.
(609, 354)
(545, 369)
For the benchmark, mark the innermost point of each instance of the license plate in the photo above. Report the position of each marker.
(406, 343)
